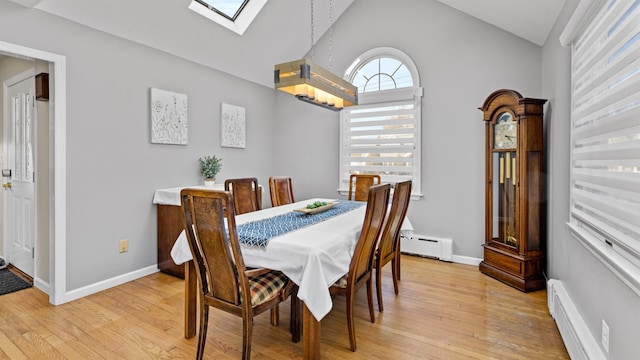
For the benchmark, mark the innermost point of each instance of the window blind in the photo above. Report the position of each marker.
(379, 139)
(605, 130)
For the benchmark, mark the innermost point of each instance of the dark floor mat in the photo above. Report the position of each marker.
(10, 282)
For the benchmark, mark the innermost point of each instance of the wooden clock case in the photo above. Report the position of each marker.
(514, 236)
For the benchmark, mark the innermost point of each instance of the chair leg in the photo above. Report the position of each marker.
(379, 287)
(398, 261)
(370, 299)
(275, 315)
(202, 336)
(395, 272)
(247, 326)
(352, 331)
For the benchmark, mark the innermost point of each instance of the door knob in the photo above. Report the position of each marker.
(6, 186)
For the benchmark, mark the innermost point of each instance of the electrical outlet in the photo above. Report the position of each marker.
(605, 336)
(124, 245)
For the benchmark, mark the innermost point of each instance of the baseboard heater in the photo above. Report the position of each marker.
(427, 246)
(577, 338)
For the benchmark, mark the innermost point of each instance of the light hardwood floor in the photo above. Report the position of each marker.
(443, 311)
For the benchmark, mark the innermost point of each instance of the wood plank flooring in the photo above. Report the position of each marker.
(443, 311)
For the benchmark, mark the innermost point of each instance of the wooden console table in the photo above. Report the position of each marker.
(170, 224)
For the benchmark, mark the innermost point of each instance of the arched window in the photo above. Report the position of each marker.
(382, 73)
(381, 135)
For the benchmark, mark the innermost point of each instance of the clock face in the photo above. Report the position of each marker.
(505, 133)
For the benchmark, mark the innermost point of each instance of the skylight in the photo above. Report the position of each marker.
(228, 8)
(235, 15)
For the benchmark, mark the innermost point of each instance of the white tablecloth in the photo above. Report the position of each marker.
(313, 257)
(171, 196)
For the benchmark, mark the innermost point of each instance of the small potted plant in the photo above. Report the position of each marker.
(209, 168)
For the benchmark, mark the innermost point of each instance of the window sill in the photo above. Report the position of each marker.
(621, 267)
(414, 196)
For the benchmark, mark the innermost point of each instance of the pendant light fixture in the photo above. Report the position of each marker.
(313, 84)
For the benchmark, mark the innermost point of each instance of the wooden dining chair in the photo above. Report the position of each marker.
(247, 195)
(359, 185)
(224, 281)
(389, 244)
(361, 266)
(281, 190)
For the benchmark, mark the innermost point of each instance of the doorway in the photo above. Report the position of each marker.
(52, 263)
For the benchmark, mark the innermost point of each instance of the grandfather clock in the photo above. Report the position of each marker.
(514, 239)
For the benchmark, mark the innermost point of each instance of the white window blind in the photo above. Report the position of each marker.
(605, 133)
(379, 139)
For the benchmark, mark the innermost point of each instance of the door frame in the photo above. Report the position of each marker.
(58, 158)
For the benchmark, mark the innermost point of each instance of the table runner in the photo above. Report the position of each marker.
(257, 233)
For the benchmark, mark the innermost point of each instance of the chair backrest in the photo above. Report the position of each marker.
(359, 185)
(362, 260)
(246, 194)
(390, 235)
(216, 250)
(281, 190)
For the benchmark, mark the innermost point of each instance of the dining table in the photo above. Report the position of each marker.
(313, 256)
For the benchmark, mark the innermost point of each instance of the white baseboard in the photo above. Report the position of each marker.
(580, 343)
(109, 283)
(41, 285)
(468, 260)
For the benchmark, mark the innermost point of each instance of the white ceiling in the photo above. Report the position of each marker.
(529, 19)
(280, 32)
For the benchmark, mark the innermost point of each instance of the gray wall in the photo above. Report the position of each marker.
(597, 292)
(461, 60)
(112, 168)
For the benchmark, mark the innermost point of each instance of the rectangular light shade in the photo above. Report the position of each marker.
(311, 83)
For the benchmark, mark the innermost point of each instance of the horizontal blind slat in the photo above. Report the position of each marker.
(607, 95)
(621, 116)
(606, 225)
(381, 170)
(622, 210)
(624, 181)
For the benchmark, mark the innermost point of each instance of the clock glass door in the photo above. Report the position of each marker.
(504, 209)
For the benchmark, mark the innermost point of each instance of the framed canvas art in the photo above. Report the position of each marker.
(232, 123)
(169, 121)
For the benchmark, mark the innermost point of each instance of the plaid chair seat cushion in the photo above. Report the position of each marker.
(342, 282)
(266, 286)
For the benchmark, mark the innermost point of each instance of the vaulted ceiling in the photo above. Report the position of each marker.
(529, 19)
(279, 33)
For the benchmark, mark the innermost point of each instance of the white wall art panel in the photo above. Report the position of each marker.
(232, 122)
(169, 121)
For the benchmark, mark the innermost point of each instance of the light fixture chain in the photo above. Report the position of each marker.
(312, 25)
(330, 32)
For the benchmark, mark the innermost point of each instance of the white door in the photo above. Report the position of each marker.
(19, 219)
